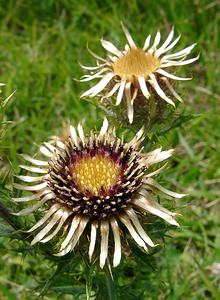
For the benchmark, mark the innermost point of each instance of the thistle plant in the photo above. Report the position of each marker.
(96, 190)
(136, 73)
(94, 180)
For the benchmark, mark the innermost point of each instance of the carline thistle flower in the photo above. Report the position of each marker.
(94, 183)
(135, 72)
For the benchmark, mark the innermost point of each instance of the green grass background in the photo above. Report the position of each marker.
(41, 43)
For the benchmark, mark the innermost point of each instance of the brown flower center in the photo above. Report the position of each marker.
(135, 63)
(96, 173)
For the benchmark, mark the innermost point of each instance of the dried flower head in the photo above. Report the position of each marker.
(96, 181)
(137, 71)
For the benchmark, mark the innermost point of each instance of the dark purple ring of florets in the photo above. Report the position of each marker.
(117, 198)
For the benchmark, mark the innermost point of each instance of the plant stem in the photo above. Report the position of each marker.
(87, 290)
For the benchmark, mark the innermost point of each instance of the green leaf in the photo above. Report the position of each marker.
(178, 122)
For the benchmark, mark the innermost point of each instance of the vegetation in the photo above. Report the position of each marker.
(41, 43)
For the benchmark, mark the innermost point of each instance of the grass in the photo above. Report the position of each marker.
(41, 43)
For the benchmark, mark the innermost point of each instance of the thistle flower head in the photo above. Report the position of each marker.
(94, 183)
(135, 72)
